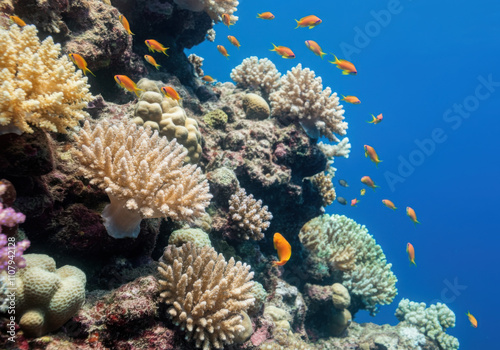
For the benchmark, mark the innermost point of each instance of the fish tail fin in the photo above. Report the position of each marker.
(90, 72)
(344, 72)
(258, 15)
(321, 54)
(394, 208)
(157, 67)
(137, 89)
(298, 24)
(165, 51)
(414, 263)
(378, 161)
(274, 47)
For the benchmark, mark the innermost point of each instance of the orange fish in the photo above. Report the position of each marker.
(234, 41)
(208, 79)
(369, 182)
(151, 60)
(362, 192)
(310, 21)
(351, 99)
(389, 204)
(370, 151)
(472, 319)
(223, 51)
(127, 83)
(265, 15)
(284, 249)
(354, 202)
(411, 253)
(411, 213)
(170, 92)
(154, 46)
(17, 21)
(80, 63)
(314, 47)
(377, 119)
(226, 19)
(283, 51)
(125, 24)
(346, 66)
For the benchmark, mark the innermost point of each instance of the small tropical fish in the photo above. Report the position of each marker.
(283, 51)
(362, 192)
(151, 60)
(411, 253)
(351, 99)
(369, 182)
(80, 63)
(226, 19)
(265, 15)
(377, 119)
(125, 24)
(284, 249)
(234, 41)
(127, 83)
(341, 200)
(346, 66)
(411, 213)
(389, 204)
(310, 21)
(314, 47)
(343, 183)
(472, 319)
(208, 79)
(170, 92)
(17, 21)
(354, 202)
(223, 51)
(370, 151)
(155, 46)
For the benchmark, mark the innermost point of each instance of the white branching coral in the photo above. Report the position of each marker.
(214, 8)
(143, 174)
(257, 74)
(38, 86)
(207, 295)
(301, 98)
(248, 216)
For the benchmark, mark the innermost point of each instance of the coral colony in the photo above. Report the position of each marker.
(151, 220)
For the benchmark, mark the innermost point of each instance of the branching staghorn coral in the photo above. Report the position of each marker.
(143, 175)
(301, 98)
(248, 216)
(349, 248)
(214, 8)
(257, 74)
(206, 294)
(38, 86)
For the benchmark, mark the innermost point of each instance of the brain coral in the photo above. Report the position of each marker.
(47, 297)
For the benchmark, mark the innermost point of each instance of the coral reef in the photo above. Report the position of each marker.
(323, 183)
(196, 236)
(255, 107)
(216, 119)
(214, 8)
(255, 73)
(11, 253)
(197, 63)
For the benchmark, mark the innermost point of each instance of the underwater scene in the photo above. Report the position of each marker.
(268, 175)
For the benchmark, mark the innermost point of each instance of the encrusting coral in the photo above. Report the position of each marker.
(258, 74)
(143, 175)
(206, 294)
(39, 87)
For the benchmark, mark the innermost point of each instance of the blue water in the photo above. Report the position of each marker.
(415, 66)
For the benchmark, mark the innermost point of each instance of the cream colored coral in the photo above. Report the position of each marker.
(143, 174)
(301, 98)
(255, 107)
(257, 74)
(214, 8)
(205, 294)
(38, 86)
(197, 63)
(324, 185)
(248, 215)
(196, 236)
(46, 297)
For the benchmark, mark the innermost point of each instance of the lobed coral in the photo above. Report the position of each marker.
(143, 175)
(39, 87)
(258, 74)
(206, 294)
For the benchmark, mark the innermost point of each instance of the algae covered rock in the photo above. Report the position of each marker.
(217, 119)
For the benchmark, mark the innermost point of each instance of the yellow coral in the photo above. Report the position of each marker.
(38, 86)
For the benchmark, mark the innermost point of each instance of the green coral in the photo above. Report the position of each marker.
(216, 119)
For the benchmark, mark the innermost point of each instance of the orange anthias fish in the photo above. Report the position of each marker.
(411, 213)
(472, 319)
(314, 47)
(284, 249)
(152, 61)
(17, 21)
(226, 19)
(370, 151)
(389, 204)
(411, 253)
(233, 41)
(354, 202)
(155, 46)
(265, 15)
(283, 51)
(170, 92)
(346, 66)
(369, 182)
(80, 63)
(310, 21)
(362, 192)
(125, 24)
(208, 79)
(127, 83)
(223, 51)
(351, 99)
(377, 119)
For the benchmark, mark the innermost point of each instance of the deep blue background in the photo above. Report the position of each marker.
(425, 59)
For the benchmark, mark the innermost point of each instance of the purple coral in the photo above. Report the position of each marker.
(10, 253)
(10, 218)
